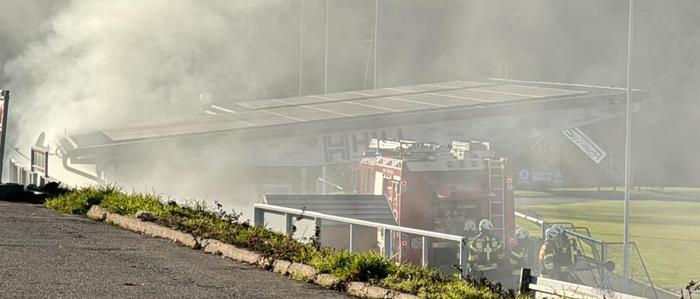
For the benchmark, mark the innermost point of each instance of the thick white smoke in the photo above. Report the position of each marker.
(112, 63)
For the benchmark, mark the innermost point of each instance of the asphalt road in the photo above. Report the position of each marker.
(45, 254)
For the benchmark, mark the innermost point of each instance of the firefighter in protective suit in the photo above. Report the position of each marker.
(556, 254)
(521, 252)
(485, 252)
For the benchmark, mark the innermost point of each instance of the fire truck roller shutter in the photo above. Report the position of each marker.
(378, 183)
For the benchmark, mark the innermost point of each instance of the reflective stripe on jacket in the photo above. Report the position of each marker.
(485, 252)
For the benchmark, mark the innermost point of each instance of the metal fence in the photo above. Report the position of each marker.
(540, 287)
(597, 260)
(290, 214)
(639, 274)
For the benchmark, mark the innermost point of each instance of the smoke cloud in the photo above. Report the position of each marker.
(112, 63)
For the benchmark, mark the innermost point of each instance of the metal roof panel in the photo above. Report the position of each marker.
(364, 207)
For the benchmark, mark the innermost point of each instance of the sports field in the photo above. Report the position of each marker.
(666, 232)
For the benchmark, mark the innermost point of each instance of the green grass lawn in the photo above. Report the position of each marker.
(639, 190)
(531, 194)
(667, 233)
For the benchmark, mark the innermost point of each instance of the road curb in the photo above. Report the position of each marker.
(327, 281)
(232, 252)
(366, 290)
(302, 272)
(357, 289)
(281, 266)
(96, 213)
(146, 228)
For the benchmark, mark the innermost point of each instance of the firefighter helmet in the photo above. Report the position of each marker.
(551, 233)
(559, 228)
(522, 233)
(485, 225)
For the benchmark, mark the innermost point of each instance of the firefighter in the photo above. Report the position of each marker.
(520, 252)
(557, 254)
(470, 227)
(485, 252)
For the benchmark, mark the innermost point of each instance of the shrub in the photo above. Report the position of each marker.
(366, 266)
(412, 279)
(330, 261)
(129, 204)
(79, 201)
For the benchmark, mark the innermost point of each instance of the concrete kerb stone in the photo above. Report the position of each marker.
(281, 266)
(302, 272)
(357, 289)
(265, 263)
(151, 229)
(365, 290)
(125, 222)
(377, 292)
(232, 252)
(186, 239)
(327, 281)
(204, 242)
(96, 213)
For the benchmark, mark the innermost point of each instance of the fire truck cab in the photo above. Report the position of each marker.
(443, 188)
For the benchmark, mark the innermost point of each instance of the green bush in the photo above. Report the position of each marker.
(330, 261)
(365, 266)
(459, 289)
(130, 204)
(80, 200)
(412, 279)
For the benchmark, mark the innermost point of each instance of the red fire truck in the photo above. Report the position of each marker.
(443, 188)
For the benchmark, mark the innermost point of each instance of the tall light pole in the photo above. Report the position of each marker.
(376, 31)
(628, 148)
(325, 54)
(301, 46)
(5, 97)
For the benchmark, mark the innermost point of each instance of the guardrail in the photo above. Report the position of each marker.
(596, 252)
(290, 214)
(547, 288)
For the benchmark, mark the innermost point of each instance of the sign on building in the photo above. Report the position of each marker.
(585, 144)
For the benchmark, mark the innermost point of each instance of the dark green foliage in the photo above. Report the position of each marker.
(412, 279)
(80, 200)
(130, 204)
(367, 266)
(329, 261)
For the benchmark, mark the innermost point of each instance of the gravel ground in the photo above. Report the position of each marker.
(45, 254)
